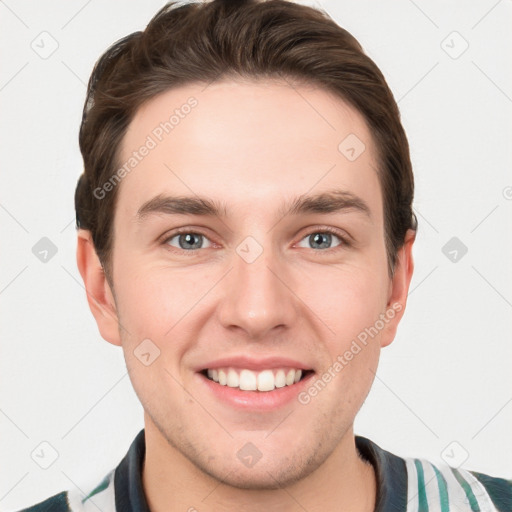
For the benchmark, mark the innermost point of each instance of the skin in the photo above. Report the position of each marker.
(253, 145)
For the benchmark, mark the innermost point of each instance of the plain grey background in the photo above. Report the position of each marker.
(444, 387)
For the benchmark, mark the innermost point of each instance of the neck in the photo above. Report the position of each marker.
(171, 482)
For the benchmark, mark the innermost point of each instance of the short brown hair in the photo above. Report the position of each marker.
(201, 42)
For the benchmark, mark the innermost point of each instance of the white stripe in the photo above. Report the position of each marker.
(456, 494)
(412, 486)
(479, 491)
(74, 501)
(458, 501)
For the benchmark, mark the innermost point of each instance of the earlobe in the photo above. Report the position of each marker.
(399, 288)
(99, 295)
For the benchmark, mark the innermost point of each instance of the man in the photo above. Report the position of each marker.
(245, 235)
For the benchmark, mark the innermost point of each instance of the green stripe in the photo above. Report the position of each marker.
(100, 487)
(422, 496)
(467, 489)
(443, 491)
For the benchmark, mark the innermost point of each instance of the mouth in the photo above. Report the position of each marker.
(263, 381)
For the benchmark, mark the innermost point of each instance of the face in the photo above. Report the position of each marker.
(273, 270)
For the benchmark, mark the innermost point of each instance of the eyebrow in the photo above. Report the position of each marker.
(332, 201)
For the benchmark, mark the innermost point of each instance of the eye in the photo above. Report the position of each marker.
(186, 241)
(322, 239)
(190, 241)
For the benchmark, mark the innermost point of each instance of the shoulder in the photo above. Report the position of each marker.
(413, 484)
(499, 489)
(57, 503)
(451, 488)
(75, 501)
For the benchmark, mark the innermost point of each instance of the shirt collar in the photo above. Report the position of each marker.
(390, 472)
(128, 478)
(390, 475)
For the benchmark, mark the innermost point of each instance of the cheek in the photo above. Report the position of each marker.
(347, 300)
(152, 301)
(349, 303)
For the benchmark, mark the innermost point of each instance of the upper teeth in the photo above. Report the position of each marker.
(247, 380)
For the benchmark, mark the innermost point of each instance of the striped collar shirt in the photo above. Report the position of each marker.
(403, 485)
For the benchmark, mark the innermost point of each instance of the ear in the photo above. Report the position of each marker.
(99, 295)
(399, 288)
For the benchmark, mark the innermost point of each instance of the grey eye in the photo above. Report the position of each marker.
(319, 240)
(187, 241)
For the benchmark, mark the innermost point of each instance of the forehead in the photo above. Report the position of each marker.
(247, 143)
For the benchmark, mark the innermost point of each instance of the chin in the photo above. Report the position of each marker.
(266, 477)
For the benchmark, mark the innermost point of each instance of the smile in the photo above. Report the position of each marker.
(248, 380)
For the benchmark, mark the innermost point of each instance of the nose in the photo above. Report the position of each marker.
(257, 296)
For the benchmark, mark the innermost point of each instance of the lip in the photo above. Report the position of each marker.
(249, 363)
(257, 401)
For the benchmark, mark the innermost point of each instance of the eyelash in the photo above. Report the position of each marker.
(345, 243)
